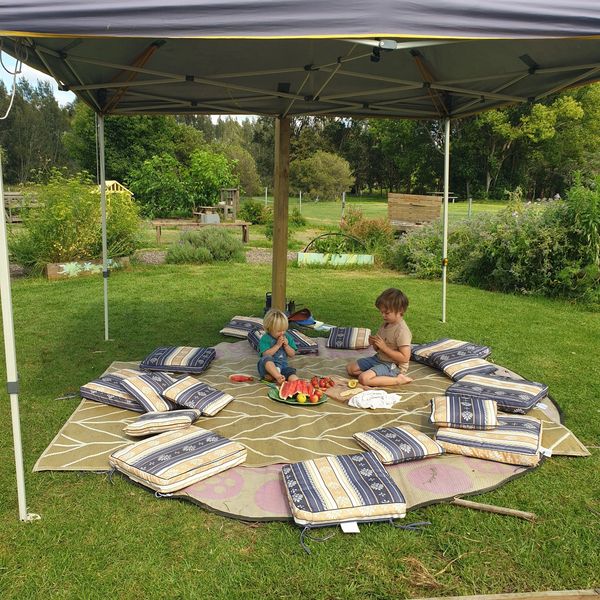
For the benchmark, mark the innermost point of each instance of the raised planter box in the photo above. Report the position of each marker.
(67, 270)
(338, 260)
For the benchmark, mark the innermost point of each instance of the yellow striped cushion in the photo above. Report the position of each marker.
(393, 445)
(171, 461)
(464, 412)
(191, 393)
(334, 489)
(349, 338)
(515, 441)
(159, 422)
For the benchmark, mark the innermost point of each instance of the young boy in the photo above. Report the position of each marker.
(392, 342)
(275, 346)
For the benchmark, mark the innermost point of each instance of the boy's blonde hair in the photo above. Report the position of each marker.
(392, 299)
(275, 320)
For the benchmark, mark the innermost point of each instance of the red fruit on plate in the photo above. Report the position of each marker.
(318, 392)
(313, 399)
(315, 381)
(323, 383)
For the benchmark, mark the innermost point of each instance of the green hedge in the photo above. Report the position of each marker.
(549, 248)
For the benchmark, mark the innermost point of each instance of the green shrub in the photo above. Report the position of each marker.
(377, 234)
(188, 254)
(65, 224)
(207, 245)
(337, 243)
(296, 219)
(547, 248)
(254, 212)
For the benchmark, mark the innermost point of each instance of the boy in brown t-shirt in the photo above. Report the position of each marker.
(392, 342)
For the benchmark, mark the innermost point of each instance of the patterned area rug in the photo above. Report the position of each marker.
(277, 433)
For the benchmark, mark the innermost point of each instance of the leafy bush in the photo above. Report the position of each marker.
(255, 212)
(206, 245)
(166, 187)
(377, 234)
(323, 175)
(296, 219)
(547, 248)
(65, 224)
(337, 243)
(188, 254)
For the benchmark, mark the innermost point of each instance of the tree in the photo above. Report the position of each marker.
(323, 175)
(129, 141)
(207, 174)
(244, 168)
(32, 134)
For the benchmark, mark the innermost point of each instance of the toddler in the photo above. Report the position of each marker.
(275, 347)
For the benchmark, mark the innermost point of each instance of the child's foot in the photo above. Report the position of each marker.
(269, 378)
(402, 379)
(280, 380)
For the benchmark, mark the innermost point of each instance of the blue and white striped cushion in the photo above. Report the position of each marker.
(393, 445)
(147, 389)
(349, 338)
(464, 412)
(431, 352)
(191, 393)
(334, 489)
(108, 389)
(456, 367)
(179, 359)
(159, 422)
(173, 460)
(240, 326)
(512, 395)
(516, 441)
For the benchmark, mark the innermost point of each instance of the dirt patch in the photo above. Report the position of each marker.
(265, 256)
(150, 257)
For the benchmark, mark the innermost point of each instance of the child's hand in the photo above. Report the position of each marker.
(281, 340)
(377, 342)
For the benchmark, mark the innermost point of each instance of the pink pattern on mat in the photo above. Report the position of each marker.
(271, 498)
(221, 486)
(444, 480)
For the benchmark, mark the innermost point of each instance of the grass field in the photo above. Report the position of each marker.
(322, 216)
(103, 539)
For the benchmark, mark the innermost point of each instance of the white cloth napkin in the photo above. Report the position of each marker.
(374, 399)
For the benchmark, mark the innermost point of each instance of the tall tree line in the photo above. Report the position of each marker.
(535, 146)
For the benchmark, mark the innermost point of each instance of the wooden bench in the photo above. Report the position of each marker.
(186, 224)
(409, 211)
(14, 204)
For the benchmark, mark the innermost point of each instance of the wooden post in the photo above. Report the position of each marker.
(280, 211)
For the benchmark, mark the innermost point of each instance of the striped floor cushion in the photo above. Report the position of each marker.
(349, 338)
(512, 395)
(158, 422)
(430, 352)
(335, 489)
(170, 461)
(393, 445)
(515, 441)
(108, 389)
(304, 344)
(240, 327)
(457, 368)
(147, 389)
(464, 412)
(179, 359)
(191, 393)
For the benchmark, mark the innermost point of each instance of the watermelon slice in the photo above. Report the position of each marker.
(289, 389)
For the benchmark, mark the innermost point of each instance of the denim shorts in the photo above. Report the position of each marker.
(372, 363)
(283, 367)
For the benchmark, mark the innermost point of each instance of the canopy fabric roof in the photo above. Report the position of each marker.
(393, 58)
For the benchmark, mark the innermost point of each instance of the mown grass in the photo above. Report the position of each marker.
(101, 539)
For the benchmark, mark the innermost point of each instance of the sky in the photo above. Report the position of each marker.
(32, 76)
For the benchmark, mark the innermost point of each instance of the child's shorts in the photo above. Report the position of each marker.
(384, 369)
(283, 368)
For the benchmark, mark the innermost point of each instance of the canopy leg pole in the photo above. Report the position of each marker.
(12, 377)
(445, 232)
(280, 211)
(105, 270)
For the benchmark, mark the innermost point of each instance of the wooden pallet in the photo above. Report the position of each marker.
(408, 211)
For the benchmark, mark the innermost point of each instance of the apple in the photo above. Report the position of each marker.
(318, 392)
(313, 399)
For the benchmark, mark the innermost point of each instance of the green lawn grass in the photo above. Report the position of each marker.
(111, 539)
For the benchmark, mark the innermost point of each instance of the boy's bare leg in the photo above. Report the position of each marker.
(353, 369)
(273, 371)
(292, 377)
(371, 379)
